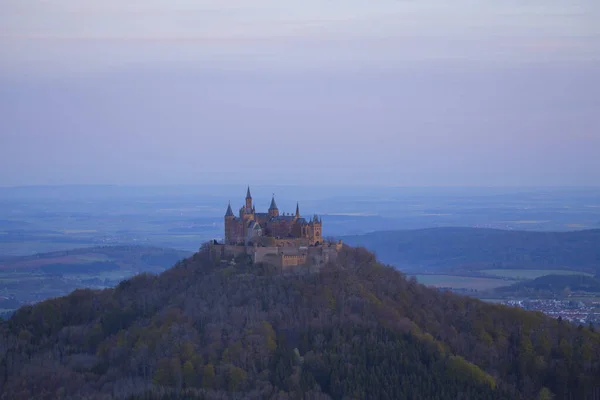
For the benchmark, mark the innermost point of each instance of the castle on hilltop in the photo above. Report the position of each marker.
(283, 240)
(271, 228)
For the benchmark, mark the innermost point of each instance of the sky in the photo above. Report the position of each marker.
(337, 92)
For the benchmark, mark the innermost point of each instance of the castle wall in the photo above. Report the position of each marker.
(297, 230)
(293, 260)
(290, 242)
(281, 257)
(232, 250)
(280, 228)
(285, 256)
(261, 253)
(237, 231)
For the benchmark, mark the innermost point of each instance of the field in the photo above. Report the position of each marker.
(497, 278)
(524, 274)
(35, 263)
(462, 282)
(29, 279)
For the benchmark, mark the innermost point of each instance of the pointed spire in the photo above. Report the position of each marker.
(248, 200)
(273, 205)
(229, 212)
(297, 210)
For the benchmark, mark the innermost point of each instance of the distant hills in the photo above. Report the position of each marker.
(471, 249)
(554, 284)
(33, 278)
(81, 260)
(215, 329)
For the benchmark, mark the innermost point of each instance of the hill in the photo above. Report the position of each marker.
(555, 284)
(214, 329)
(471, 249)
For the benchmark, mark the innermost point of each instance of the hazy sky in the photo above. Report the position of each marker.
(391, 92)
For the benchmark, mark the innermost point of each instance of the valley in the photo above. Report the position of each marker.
(445, 238)
(30, 279)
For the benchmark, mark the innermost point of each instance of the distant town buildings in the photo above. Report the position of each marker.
(578, 312)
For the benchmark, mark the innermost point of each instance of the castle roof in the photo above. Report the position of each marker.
(273, 205)
(287, 218)
(253, 224)
(229, 212)
(248, 195)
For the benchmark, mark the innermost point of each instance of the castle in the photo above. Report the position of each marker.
(271, 228)
(283, 240)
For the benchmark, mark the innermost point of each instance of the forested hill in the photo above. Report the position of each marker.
(438, 249)
(355, 330)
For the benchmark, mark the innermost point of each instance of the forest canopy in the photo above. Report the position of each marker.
(357, 329)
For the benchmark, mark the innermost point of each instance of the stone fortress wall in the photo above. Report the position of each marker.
(281, 256)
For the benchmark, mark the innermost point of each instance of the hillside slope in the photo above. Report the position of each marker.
(357, 329)
(440, 249)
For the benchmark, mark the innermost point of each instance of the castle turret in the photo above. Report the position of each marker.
(297, 210)
(229, 217)
(317, 231)
(229, 212)
(273, 210)
(248, 199)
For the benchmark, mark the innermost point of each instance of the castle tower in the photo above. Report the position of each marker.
(317, 230)
(248, 199)
(229, 217)
(297, 210)
(273, 210)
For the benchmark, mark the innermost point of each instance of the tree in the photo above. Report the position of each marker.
(237, 377)
(163, 375)
(190, 378)
(545, 394)
(208, 376)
